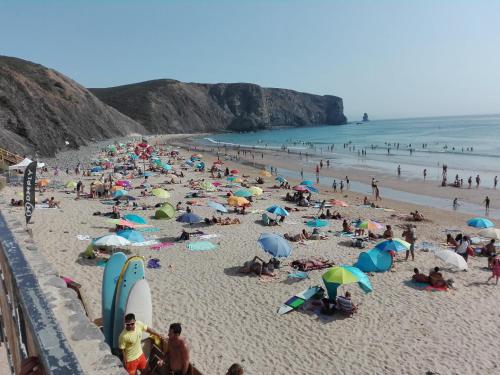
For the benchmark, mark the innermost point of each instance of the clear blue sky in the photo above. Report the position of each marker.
(389, 58)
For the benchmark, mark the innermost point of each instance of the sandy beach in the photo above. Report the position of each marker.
(228, 317)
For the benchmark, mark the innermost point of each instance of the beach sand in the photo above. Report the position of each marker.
(228, 317)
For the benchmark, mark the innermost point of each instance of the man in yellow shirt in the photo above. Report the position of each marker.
(129, 344)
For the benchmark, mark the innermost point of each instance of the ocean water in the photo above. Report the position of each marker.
(468, 145)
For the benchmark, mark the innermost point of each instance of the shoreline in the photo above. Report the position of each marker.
(425, 194)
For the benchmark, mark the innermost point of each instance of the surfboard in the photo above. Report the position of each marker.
(132, 271)
(298, 300)
(109, 279)
(139, 303)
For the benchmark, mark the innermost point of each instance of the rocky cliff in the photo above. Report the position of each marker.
(169, 106)
(40, 109)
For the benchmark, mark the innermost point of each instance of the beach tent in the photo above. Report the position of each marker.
(374, 260)
(21, 166)
(166, 211)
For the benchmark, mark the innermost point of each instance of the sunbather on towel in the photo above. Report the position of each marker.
(295, 238)
(258, 266)
(436, 278)
(419, 277)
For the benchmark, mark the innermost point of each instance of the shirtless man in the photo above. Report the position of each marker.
(177, 351)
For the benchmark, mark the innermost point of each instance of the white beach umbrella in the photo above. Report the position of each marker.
(490, 233)
(112, 240)
(453, 259)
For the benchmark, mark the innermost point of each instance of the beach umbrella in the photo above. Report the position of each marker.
(207, 186)
(216, 183)
(341, 275)
(125, 197)
(281, 179)
(71, 185)
(124, 183)
(490, 233)
(166, 211)
(312, 189)
(190, 218)
(122, 223)
(243, 193)
(275, 245)
(135, 219)
(337, 202)
(479, 222)
(368, 224)
(237, 201)
(116, 188)
(264, 173)
(277, 210)
(317, 223)
(217, 206)
(161, 193)
(189, 162)
(96, 169)
(255, 190)
(374, 260)
(300, 188)
(395, 244)
(131, 235)
(234, 171)
(307, 183)
(111, 240)
(453, 259)
(120, 193)
(166, 166)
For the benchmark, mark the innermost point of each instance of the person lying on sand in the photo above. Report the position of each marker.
(316, 235)
(294, 238)
(419, 277)
(258, 266)
(417, 216)
(53, 203)
(229, 221)
(15, 203)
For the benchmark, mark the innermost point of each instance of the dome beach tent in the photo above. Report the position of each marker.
(374, 260)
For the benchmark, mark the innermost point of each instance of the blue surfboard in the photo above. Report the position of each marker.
(132, 271)
(109, 280)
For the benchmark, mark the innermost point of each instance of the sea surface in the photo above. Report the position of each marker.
(468, 145)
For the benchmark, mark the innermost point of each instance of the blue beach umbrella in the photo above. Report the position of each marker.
(243, 193)
(135, 218)
(307, 183)
(275, 245)
(96, 169)
(317, 223)
(217, 206)
(190, 218)
(119, 193)
(277, 210)
(312, 189)
(131, 235)
(166, 166)
(479, 222)
(394, 244)
(281, 179)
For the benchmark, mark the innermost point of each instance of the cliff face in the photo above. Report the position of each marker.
(40, 109)
(168, 106)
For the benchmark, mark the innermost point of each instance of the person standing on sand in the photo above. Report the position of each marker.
(487, 204)
(301, 173)
(334, 186)
(374, 185)
(129, 343)
(469, 181)
(495, 269)
(410, 237)
(347, 182)
(478, 180)
(425, 173)
(399, 170)
(377, 193)
(177, 351)
(495, 182)
(341, 186)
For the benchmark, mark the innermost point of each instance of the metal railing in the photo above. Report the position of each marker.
(28, 324)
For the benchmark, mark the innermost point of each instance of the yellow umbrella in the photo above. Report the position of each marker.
(255, 190)
(71, 185)
(237, 201)
(264, 173)
(161, 193)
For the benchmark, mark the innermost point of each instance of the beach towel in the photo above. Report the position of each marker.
(201, 246)
(149, 230)
(83, 237)
(161, 245)
(427, 287)
(154, 263)
(298, 275)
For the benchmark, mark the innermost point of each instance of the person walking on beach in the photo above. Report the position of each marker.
(425, 173)
(495, 182)
(377, 193)
(478, 180)
(129, 343)
(347, 182)
(374, 184)
(301, 173)
(334, 186)
(495, 269)
(399, 170)
(341, 186)
(321, 207)
(455, 203)
(487, 204)
(410, 237)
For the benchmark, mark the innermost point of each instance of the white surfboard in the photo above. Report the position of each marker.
(139, 303)
(298, 300)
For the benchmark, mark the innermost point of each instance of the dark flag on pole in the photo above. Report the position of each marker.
(29, 190)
